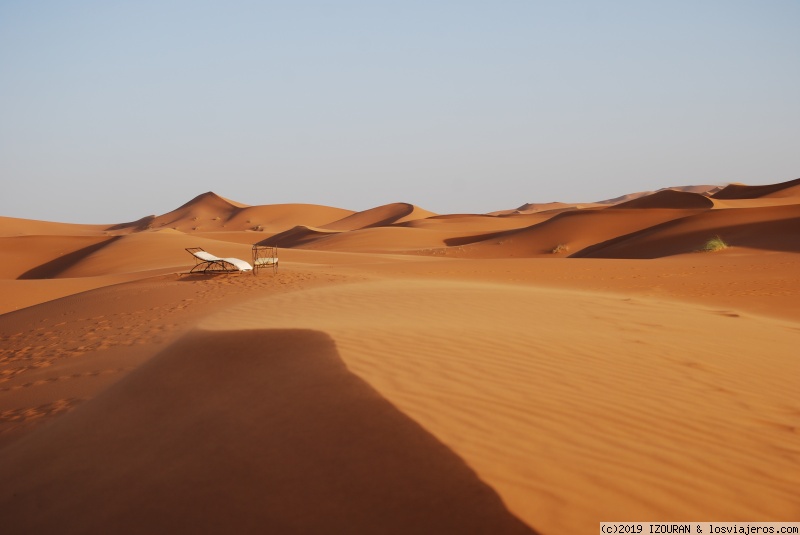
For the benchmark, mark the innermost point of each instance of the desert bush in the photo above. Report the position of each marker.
(715, 244)
(560, 248)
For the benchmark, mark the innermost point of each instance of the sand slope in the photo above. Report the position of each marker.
(380, 216)
(774, 228)
(381, 240)
(742, 191)
(554, 207)
(258, 432)
(705, 190)
(575, 407)
(575, 230)
(37, 257)
(12, 226)
(478, 223)
(668, 199)
(279, 217)
(148, 251)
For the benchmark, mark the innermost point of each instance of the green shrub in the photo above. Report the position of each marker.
(715, 244)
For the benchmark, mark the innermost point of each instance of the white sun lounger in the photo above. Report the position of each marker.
(205, 262)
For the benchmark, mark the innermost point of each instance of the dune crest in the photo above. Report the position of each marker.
(742, 191)
(299, 236)
(210, 212)
(210, 201)
(380, 216)
(273, 218)
(705, 190)
(14, 226)
(668, 198)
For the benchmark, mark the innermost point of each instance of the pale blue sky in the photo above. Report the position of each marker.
(110, 111)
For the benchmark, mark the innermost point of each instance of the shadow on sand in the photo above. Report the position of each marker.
(243, 432)
(55, 267)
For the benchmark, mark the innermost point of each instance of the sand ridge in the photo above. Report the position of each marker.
(742, 191)
(380, 216)
(209, 211)
(668, 198)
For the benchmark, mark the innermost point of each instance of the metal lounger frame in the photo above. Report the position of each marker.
(265, 256)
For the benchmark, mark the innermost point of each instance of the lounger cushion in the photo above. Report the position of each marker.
(223, 263)
(208, 257)
(241, 265)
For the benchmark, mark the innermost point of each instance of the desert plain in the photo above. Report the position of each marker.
(535, 370)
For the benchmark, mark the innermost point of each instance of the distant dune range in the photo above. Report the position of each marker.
(537, 369)
(528, 231)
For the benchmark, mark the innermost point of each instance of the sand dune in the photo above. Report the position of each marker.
(207, 206)
(155, 250)
(404, 372)
(35, 257)
(554, 207)
(704, 190)
(37, 269)
(12, 226)
(479, 223)
(742, 191)
(152, 250)
(774, 228)
(574, 230)
(381, 240)
(280, 217)
(668, 199)
(298, 236)
(379, 217)
(210, 212)
(528, 207)
(574, 406)
(20, 294)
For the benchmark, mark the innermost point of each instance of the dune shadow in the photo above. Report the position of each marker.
(137, 226)
(655, 242)
(475, 238)
(58, 265)
(243, 432)
(742, 191)
(404, 209)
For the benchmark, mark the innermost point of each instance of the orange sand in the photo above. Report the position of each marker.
(404, 372)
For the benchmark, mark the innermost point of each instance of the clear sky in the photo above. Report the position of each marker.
(110, 110)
